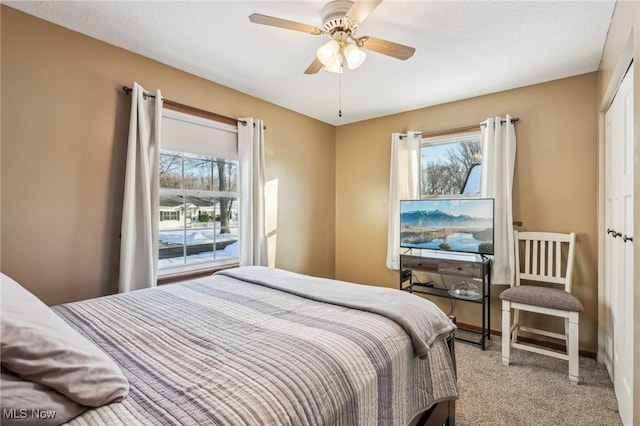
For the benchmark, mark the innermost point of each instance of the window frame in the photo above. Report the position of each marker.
(198, 267)
(445, 139)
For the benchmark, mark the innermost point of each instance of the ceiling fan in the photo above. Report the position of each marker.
(340, 20)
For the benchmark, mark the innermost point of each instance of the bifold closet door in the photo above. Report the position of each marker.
(618, 245)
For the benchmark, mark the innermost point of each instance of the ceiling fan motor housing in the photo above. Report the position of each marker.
(334, 17)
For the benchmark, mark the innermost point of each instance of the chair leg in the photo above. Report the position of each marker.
(573, 346)
(506, 332)
(516, 325)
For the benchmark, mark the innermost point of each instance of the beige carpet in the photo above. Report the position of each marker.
(533, 390)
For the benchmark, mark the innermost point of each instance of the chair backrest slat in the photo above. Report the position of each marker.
(527, 258)
(543, 257)
(544, 269)
(558, 245)
(550, 258)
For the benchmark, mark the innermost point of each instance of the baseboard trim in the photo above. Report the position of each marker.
(543, 343)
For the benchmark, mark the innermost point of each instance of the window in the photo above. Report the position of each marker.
(451, 165)
(169, 215)
(198, 202)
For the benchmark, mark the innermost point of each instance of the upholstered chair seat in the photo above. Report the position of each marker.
(552, 298)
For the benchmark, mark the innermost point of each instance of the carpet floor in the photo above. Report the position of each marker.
(533, 390)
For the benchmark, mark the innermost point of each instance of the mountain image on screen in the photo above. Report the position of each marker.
(461, 225)
(438, 218)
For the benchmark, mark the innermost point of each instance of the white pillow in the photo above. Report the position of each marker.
(24, 403)
(40, 347)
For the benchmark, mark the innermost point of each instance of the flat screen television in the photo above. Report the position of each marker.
(459, 225)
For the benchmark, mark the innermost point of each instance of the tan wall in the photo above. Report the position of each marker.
(64, 132)
(622, 44)
(554, 186)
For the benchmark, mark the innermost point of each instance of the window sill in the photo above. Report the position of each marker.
(168, 277)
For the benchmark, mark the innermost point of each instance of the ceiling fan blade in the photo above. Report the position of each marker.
(389, 48)
(315, 66)
(257, 18)
(361, 9)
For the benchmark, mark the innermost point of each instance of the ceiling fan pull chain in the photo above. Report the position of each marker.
(340, 95)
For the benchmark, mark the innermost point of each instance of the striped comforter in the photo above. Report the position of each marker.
(223, 351)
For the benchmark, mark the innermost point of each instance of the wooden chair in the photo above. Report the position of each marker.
(543, 262)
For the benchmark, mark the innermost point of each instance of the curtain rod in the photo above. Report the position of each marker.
(177, 106)
(455, 130)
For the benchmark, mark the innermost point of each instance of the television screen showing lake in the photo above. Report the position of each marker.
(464, 225)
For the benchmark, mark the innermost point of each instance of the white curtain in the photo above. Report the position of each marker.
(498, 163)
(404, 184)
(253, 240)
(139, 243)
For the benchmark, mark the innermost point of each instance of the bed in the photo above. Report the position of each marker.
(250, 346)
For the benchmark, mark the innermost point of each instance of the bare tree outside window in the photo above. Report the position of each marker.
(445, 166)
(198, 208)
(227, 180)
(201, 173)
(170, 170)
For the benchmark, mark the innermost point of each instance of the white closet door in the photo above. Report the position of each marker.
(619, 246)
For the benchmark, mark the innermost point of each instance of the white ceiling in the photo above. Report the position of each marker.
(463, 48)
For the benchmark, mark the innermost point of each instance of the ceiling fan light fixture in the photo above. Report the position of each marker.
(355, 57)
(335, 66)
(329, 52)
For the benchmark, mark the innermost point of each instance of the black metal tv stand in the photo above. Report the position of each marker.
(478, 267)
